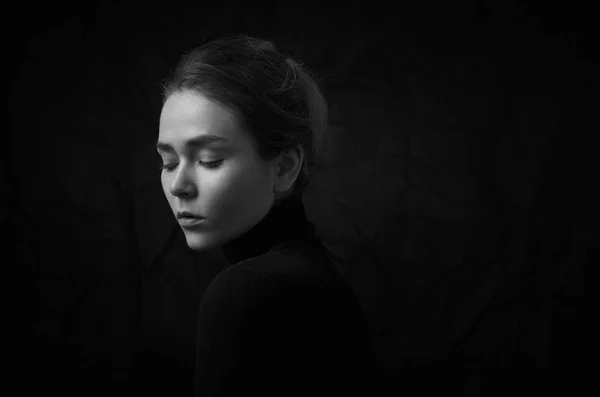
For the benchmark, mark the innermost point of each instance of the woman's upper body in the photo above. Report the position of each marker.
(281, 321)
(240, 126)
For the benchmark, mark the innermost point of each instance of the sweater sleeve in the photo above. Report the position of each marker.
(250, 337)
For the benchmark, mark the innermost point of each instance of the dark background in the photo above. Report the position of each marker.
(458, 190)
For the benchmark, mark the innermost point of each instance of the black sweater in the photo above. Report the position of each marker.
(280, 320)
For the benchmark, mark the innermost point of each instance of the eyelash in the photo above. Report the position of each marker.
(207, 164)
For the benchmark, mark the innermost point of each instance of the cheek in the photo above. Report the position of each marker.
(253, 180)
(165, 183)
(240, 186)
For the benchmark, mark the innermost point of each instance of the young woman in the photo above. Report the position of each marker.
(240, 126)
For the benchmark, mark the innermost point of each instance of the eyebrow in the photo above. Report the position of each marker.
(196, 142)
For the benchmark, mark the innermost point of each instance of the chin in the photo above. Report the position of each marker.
(200, 242)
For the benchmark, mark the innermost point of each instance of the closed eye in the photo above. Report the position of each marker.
(211, 164)
(207, 164)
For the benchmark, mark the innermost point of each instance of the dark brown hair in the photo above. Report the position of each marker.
(275, 96)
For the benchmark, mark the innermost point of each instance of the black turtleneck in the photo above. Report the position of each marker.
(280, 320)
(285, 223)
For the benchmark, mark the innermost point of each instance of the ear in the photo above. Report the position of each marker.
(288, 167)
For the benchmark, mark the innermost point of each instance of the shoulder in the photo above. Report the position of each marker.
(244, 308)
(238, 286)
(297, 263)
(292, 280)
(241, 291)
(287, 278)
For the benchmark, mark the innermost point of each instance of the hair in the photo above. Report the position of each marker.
(275, 97)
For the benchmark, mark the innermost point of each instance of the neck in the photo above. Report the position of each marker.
(286, 221)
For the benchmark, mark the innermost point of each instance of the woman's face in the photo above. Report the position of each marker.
(212, 170)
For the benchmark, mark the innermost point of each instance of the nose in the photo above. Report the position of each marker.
(182, 183)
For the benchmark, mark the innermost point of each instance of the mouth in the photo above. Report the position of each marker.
(190, 221)
(186, 214)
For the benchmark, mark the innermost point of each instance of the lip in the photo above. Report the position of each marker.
(182, 214)
(189, 221)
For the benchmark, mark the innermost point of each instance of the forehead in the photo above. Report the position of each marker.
(187, 115)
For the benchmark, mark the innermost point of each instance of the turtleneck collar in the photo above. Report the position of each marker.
(285, 221)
